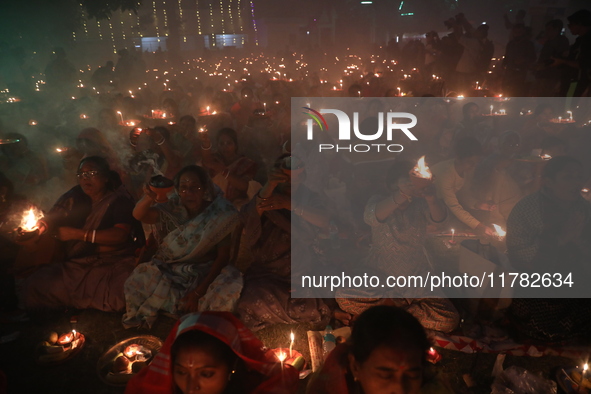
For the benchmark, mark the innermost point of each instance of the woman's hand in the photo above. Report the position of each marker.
(276, 177)
(149, 193)
(276, 201)
(485, 230)
(190, 302)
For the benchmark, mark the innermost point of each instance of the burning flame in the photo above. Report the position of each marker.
(30, 220)
(500, 232)
(132, 350)
(292, 336)
(282, 356)
(422, 170)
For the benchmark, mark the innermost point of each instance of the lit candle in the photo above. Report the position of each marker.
(83, 116)
(120, 115)
(292, 338)
(433, 356)
(559, 119)
(207, 110)
(282, 356)
(265, 107)
(491, 109)
(570, 114)
(152, 113)
(398, 91)
(32, 122)
(453, 233)
(585, 190)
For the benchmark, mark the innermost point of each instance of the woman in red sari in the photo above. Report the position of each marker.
(213, 353)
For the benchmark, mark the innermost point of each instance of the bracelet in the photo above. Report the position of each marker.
(262, 198)
(206, 148)
(227, 173)
(161, 142)
(93, 236)
(86, 235)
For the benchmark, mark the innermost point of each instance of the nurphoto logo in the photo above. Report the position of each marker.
(344, 132)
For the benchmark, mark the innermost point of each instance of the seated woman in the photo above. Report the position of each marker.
(231, 171)
(399, 223)
(386, 353)
(94, 221)
(268, 231)
(193, 230)
(212, 352)
(549, 232)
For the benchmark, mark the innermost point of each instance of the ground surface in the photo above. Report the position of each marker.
(103, 330)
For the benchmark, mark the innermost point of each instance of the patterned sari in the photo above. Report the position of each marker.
(87, 279)
(182, 261)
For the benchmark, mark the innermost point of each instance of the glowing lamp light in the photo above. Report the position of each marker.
(32, 122)
(421, 170)
(500, 232)
(30, 220)
(132, 350)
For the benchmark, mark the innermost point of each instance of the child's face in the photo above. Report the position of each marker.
(390, 371)
(198, 371)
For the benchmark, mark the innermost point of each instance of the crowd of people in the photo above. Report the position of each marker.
(214, 248)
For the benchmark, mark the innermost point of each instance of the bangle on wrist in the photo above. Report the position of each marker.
(262, 198)
(93, 236)
(226, 173)
(161, 142)
(86, 236)
(209, 148)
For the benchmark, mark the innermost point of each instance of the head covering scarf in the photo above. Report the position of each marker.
(157, 377)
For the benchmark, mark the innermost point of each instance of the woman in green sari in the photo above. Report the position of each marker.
(194, 227)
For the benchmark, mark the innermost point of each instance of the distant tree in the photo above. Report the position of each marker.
(103, 9)
(37, 23)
